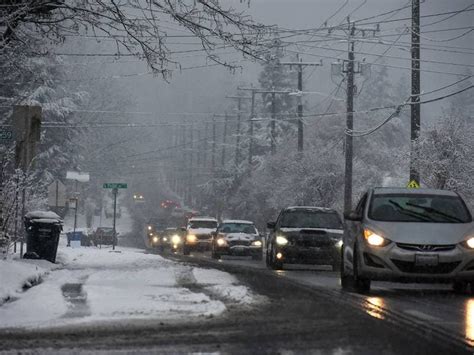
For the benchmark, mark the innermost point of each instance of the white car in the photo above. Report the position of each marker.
(415, 235)
(236, 237)
(199, 233)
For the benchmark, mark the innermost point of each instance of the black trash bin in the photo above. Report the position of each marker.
(43, 229)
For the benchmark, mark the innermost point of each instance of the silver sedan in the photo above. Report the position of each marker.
(408, 235)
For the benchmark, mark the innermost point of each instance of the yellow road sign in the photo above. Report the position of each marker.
(413, 185)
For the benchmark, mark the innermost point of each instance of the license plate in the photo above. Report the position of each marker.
(426, 259)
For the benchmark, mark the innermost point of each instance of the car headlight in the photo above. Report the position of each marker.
(221, 242)
(280, 240)
(339, 243)
(191, 238)
(149, 228)
(165, 239)
(155, 239)
(469, 243)
(176, 239)
(257, 243)
(375, 239)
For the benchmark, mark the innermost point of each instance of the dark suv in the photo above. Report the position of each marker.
(305, 235)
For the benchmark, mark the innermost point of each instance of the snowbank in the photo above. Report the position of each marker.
(16, 275)
(92, 285)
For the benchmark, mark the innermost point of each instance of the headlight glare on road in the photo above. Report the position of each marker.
(221, 242)
(191, 238)
(175, 239)
(281, 240)
(257, 243)
(375, 239)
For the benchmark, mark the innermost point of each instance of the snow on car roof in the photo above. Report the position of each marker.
(237, 221)
(42, 214)
(202, 219)
(47, 220)
(314, 208)
(398, 190)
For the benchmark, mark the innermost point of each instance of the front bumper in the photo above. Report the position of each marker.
(395, 263)
(239, 250)
(309, 255)
(200, 245)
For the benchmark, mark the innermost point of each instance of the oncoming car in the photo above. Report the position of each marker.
(305, 235)
(235, 237)
(408, 235)
(199, 234)
(171, 239)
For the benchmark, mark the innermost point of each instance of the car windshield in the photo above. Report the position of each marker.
(237, 228)
(105, 230)
(418, 208)
(311, 219)
(203, 224)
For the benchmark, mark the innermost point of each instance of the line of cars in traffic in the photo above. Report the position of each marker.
(393, 234)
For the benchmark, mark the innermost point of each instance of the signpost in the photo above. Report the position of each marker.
(57, 195)
(114, 186)
(77, 177)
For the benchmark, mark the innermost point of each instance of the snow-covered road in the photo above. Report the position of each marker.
(91, 285)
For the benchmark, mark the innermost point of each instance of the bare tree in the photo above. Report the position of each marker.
(138, 27)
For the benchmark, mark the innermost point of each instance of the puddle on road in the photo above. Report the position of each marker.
(76, 299)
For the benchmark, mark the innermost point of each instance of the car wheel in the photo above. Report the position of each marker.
(215, 255)
(346, 280)
(275, 264)
(361, 285)
(337, 264)
(461, 287)
(185, 250)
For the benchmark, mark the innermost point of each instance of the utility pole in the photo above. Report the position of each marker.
(273, 125)
(213, 158)
(224, 139)
(191, 165)
(415, 88)
(350, 67)
(348, 151)
(27, 125)
(183, 162)
(273, 118)
(300, 65)
(237, 138)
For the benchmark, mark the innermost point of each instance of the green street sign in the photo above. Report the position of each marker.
(6, 134)
(115, 185)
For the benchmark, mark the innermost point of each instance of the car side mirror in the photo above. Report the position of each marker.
(353, 216)
(271, 225)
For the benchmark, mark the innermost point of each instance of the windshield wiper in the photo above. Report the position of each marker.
(411, 213)
(433, 210)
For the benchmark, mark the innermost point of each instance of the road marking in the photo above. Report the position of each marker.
(418, 314)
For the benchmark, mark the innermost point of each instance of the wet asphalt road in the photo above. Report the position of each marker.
(429, 309)
(305, 313)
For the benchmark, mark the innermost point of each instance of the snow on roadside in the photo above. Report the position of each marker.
(16, 275)
(224, 285)
(122, 285)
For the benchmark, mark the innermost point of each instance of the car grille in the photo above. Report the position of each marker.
(311, 241)
(234, 243)
(426, 247)
(410, 267)
(203, 236)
